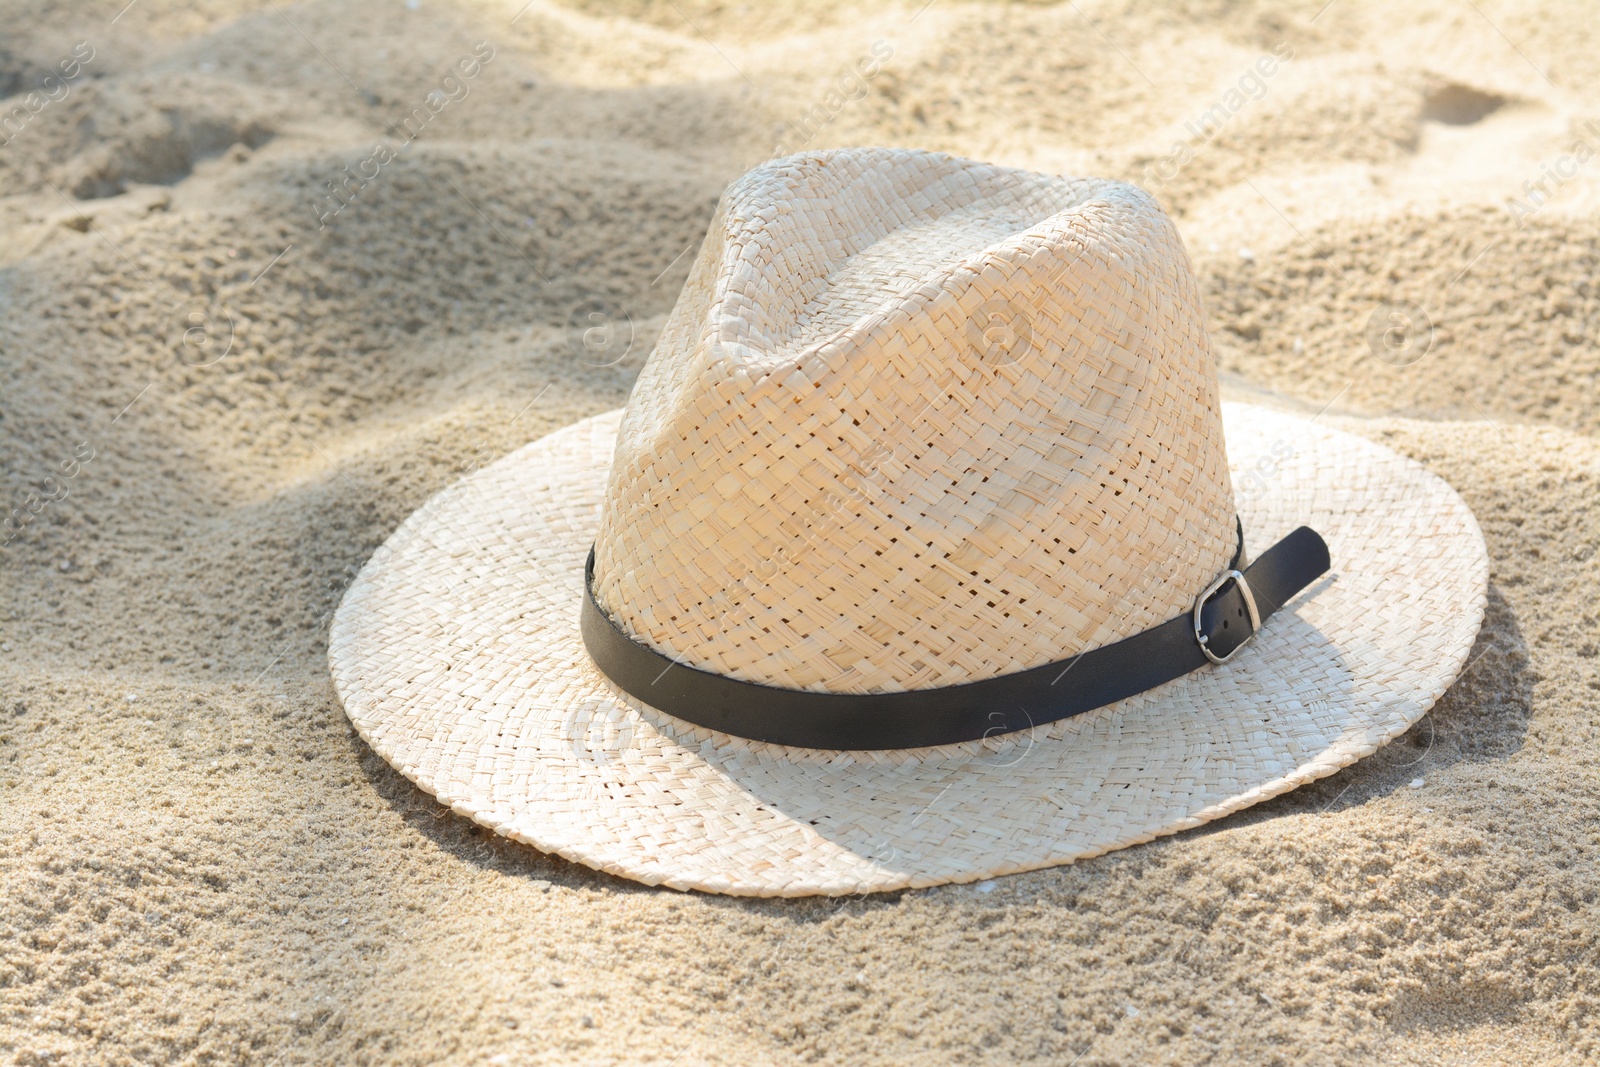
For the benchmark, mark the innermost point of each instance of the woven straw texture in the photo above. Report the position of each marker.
(458, 658)
(917, 421)
(914, 421)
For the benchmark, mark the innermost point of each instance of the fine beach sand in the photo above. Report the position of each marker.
(200, 862)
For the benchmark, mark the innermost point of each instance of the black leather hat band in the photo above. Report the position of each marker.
(1223, 619)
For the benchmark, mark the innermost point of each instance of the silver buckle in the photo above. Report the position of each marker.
(1249, 603)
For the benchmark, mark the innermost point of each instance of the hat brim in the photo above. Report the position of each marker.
(457, 655)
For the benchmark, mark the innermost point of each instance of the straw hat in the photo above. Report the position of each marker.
(909, 561)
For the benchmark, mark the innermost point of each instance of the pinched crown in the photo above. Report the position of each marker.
(917, 421)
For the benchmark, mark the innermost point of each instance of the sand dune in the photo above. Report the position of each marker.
(225, 383)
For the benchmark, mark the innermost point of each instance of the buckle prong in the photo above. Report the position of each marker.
(1250, 605)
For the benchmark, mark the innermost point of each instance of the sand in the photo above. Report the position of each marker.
(222, 388)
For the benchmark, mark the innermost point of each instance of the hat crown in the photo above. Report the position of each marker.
(917, 421)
